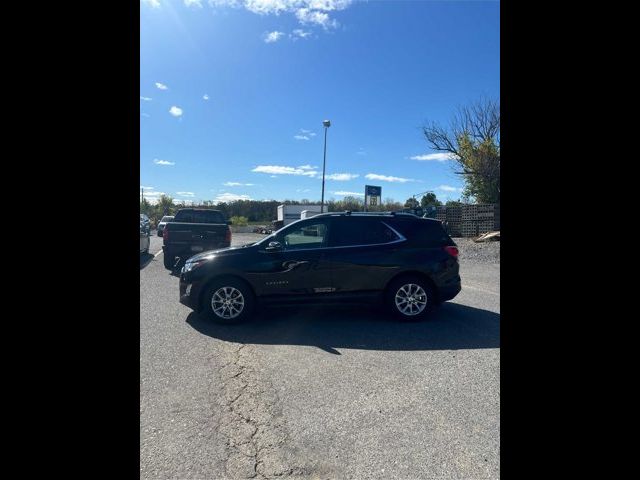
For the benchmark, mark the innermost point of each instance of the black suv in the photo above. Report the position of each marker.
(407, 262)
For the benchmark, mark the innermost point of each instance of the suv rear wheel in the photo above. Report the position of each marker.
(411, 298)
(228, 300)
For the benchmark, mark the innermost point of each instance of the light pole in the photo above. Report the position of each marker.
(326, 124)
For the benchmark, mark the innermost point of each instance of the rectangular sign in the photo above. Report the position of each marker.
(372, 196)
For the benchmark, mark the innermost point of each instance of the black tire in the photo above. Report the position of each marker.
(228, 286)
(159, 233)
(169, 261)
(420, 290)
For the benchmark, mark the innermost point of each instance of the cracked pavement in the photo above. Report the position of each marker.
(322, 392)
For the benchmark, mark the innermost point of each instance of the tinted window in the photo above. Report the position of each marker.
(355, 231)
(423, 232)
(199, 216)
(310, 235)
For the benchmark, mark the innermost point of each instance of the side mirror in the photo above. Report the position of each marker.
(274, 247)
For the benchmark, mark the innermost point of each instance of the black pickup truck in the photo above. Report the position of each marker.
(192, 231)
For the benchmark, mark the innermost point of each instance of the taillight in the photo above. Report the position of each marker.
(227, 237)
(451, 250)
(165, 234)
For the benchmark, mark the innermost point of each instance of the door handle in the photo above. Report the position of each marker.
(291, 264)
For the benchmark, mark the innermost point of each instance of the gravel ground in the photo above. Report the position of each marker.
(486, 253)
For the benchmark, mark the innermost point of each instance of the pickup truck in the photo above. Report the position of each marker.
(192, 231)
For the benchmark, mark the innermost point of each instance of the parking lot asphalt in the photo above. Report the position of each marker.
(340, 392)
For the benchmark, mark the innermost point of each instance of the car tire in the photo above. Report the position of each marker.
(233, 290)
(169, 261)
(411, 298)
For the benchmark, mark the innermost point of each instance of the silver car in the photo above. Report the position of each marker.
(145, 233)
(166, 219)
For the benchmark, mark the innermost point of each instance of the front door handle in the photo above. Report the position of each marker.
(291, 264)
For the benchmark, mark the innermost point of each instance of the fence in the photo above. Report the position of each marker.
(470, 220)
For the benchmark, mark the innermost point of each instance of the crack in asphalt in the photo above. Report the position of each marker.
(252, 424)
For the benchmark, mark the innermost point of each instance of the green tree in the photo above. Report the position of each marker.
(472, 140)
(165, 206)
(411, 203)
(429, 200)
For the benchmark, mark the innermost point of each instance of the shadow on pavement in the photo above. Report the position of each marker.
(453, 326)
(145, 258)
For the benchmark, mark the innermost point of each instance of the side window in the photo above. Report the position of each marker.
(310, 235)
(352, 232)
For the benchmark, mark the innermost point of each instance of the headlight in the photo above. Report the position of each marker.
(191, 265)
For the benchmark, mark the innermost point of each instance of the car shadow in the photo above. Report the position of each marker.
(145, 259)
(452, 327)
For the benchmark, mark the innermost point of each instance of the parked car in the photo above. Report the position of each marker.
(145, 233)
(166, 219)
(408, 263)
(191, 231)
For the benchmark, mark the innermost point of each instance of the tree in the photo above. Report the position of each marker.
(472, 140)
(429, 200)
(165, 206)
(411, 203)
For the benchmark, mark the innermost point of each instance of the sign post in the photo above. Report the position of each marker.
(372, 196)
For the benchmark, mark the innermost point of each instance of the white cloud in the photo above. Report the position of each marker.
(230, 197)
(449, 188)
(145, 115)
(205, 97)
(152, 3)
(271, 37)
(146, 99)
(307, 12)
(193, 3)
(361, 151)
(175, 111)
(186, 194)
(303, 190)
(147, 188)
(438, 157)
(305, 170)
(161, 86)
(387, 178)
(306, 133)
(345, 194)
(342, 177)
(301, 137)
(238, 184)
(306, 15)
(163, 162)
(299, 33)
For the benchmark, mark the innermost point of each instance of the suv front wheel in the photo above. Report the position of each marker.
(411, 298)
(228, 300)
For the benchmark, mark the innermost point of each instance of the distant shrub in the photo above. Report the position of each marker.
(239, 221)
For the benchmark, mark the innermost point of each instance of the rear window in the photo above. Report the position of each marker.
(199, 216)
(354, 231)
(423, 232)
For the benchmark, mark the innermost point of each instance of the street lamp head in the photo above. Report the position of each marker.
(326, 123)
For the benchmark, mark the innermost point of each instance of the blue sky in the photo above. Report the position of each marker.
(233, 94)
